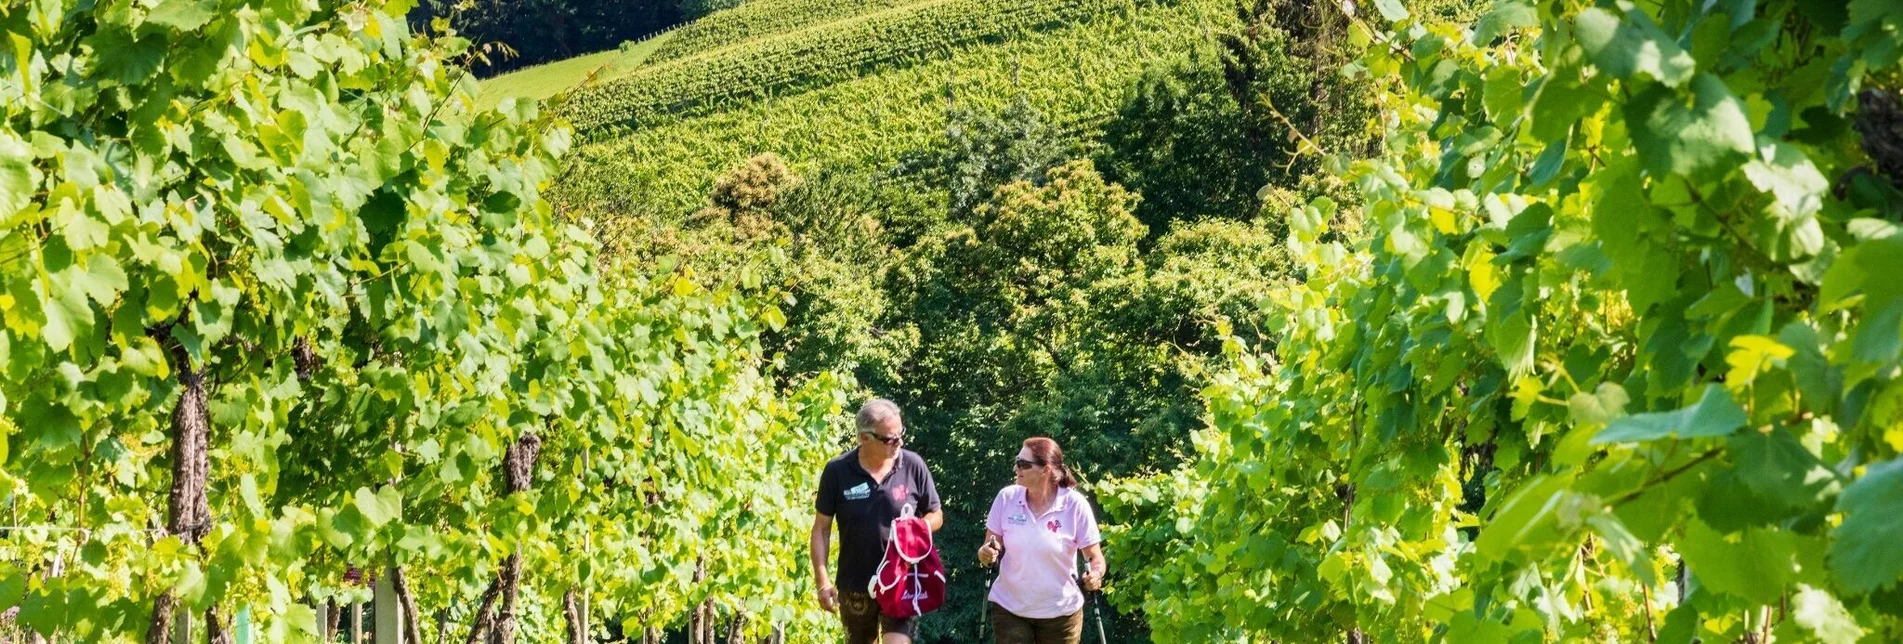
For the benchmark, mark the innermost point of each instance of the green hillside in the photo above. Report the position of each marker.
(762, 18)
(1076, 75)
(816, 56)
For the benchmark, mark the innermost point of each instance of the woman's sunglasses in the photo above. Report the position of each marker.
(888, 440)
(1025, 465)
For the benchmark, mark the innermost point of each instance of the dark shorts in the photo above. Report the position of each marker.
(863, 622)
(1012, 629)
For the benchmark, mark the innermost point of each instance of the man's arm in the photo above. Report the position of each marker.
(933, 517)
(820, 542)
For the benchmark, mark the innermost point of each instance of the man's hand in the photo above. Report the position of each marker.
(1093, 581)
(829, 598)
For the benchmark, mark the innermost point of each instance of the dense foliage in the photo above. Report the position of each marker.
(1617, 360)
(840, 50)
(283, 307)
(1204, 134)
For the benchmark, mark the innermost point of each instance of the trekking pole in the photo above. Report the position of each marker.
(1096, 608)
(984, 603)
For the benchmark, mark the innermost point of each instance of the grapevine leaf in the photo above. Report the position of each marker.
(1503, 95)
(1392, 10)
(17, 176)
(1824, 616)
(1783, 171)
(67, 315)
(1870, 268)
(1864, 554)
(1772, 479)
(1529, 518)
(1627, 548)
(1715, 414)
(1622, 220)
(102, 280)
(1755, 564)
(183, 15)
(1600, 407)
(1702, 140)
(1751, 355)
(1505, 16)
(1560, 104)
(1549, 163)
(1821, 383)
(1633, 44)
(1778, 468)
(373, 506)
(127, 58)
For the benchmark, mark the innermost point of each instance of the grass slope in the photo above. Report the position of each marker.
(1077, 75)
(546, 80)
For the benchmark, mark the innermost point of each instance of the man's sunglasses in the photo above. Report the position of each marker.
(889, 440)
(1025, 465)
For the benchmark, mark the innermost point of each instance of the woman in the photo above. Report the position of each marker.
(1042, 521)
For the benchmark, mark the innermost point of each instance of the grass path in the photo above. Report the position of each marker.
(548, 79)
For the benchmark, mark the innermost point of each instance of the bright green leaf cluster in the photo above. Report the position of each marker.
(298, 206)
(1619, 358)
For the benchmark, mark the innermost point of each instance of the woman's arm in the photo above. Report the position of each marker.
(1094, 567)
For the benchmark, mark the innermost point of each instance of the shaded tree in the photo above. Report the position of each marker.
(981, 152)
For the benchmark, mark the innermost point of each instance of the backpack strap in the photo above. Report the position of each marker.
(906, 516)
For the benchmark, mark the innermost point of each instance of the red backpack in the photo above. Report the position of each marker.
(910, 581)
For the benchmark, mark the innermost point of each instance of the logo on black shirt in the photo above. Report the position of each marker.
(859, 492)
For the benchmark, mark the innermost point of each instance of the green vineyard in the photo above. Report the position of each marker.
(763, 18)
(781, 63)
(1073, 74)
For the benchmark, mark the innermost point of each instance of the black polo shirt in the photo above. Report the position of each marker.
(864, 508)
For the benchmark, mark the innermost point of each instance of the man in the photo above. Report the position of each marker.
(864, 490)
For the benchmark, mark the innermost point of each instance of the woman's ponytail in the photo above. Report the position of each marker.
(1047, 451)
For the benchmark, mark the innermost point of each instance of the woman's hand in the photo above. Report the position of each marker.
(1094, 568)
(988, 553)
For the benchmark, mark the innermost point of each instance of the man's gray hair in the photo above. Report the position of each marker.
(874, 412)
